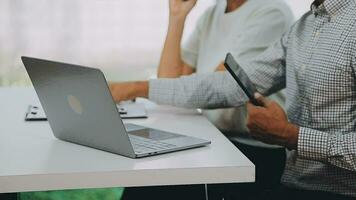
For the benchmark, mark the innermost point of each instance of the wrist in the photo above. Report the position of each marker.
(142, 88)
(177, 19)
(291, 131)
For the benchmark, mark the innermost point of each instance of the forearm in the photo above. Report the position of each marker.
(214, 90)
(129, 90)
(335, 148)
(142, 89)
(171, 64)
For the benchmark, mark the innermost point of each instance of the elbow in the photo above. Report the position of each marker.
(170, 70)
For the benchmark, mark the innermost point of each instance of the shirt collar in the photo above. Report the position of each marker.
(331, 7)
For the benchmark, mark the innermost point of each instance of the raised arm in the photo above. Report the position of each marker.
(171, 64)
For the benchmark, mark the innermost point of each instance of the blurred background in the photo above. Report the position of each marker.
(124, 38)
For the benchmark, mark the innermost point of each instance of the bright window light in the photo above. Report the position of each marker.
(123, 38)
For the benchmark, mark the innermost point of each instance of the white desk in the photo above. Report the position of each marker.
(31, 159)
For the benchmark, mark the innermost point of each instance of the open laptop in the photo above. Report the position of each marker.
(80, 109)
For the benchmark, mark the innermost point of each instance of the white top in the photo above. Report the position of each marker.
(245, 32)
(33, 160)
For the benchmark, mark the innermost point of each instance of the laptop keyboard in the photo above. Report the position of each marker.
(142, 145)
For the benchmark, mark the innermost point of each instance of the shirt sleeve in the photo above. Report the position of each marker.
(213, 90)
(219, 89)
(337, 149)
(190, 47)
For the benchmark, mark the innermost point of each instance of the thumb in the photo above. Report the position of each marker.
(262, 100)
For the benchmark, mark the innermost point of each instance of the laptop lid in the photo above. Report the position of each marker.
(79, 105)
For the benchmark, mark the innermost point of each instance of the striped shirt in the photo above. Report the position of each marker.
(316, 62)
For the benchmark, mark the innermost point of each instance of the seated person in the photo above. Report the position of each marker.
(316, 62)
(244, 28)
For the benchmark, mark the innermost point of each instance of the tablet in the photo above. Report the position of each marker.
(241, 78)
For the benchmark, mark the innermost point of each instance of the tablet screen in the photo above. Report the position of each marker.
(241, 77)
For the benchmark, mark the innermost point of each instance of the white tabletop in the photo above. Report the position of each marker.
(31, 159)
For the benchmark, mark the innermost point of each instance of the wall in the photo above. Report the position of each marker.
(124, 38)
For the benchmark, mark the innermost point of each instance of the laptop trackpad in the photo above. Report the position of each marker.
(154, 134)
(133, 127)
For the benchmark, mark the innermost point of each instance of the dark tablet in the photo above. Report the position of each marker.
(241, 78)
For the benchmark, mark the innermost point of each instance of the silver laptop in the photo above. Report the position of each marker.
(81, 110)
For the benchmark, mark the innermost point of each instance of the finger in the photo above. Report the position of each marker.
(111, 85)
(250, 107)
(251, 111)
(253, 108)
(115, 98)
(262, 100)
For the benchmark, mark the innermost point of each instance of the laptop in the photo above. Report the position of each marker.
(80, 109)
